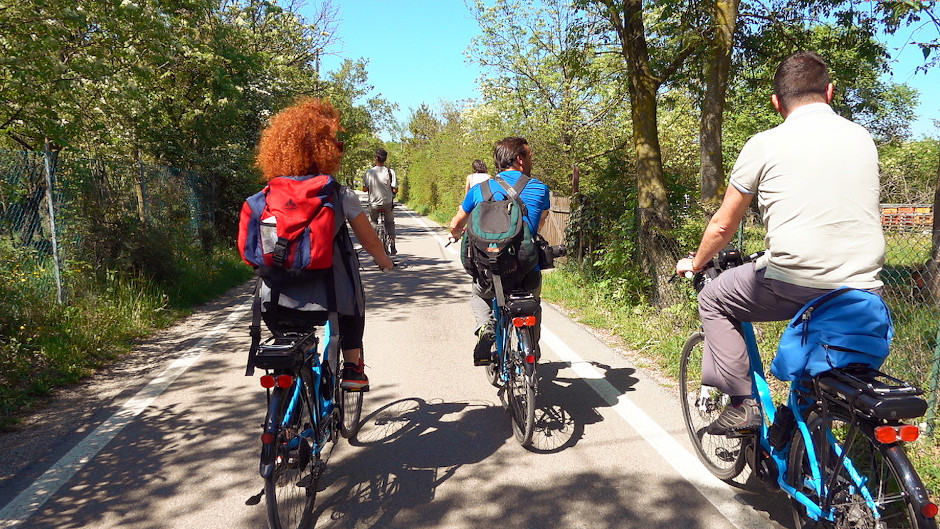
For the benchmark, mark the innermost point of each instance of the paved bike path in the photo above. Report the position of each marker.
(436, 448)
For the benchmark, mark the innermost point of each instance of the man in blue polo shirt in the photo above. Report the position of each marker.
(513, 158)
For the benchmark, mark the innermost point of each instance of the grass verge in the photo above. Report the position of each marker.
(45, 345)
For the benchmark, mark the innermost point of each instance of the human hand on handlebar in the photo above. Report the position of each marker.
(684, 267)
(396, 265)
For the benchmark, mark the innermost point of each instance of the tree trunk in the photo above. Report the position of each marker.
(656, 245)
(725, 15)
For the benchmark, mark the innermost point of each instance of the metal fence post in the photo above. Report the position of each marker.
(47, 163)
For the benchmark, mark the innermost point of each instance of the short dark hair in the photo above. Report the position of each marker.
(507, 150)
(800, 77)
(479, 166)
(381, 155)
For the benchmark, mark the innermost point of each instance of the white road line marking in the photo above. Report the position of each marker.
(452, 249)
(30, 500)
(686, 464)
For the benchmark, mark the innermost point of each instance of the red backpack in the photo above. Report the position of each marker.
(289, 224)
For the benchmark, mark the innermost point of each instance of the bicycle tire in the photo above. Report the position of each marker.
(521, 387)
(382, 232)
(722, 456)
(290, 491)
(351, 412)
(882, 466)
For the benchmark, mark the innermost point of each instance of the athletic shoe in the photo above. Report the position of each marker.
(483, 352)
(391, 248)
(354, 377)
(735, 421)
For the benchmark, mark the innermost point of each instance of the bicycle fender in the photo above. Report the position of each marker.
(909, 478)
(268, 452)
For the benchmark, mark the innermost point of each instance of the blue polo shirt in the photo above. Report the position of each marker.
(535, 196)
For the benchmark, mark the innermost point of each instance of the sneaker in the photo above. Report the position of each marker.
(354, 377)
(483, 352)
(738, 420)
(391, 248)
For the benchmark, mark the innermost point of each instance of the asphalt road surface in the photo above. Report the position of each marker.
(169, 437)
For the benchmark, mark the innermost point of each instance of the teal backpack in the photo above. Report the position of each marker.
(497, 241)
(845, 326)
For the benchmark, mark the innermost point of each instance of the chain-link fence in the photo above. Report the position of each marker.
(62, 214)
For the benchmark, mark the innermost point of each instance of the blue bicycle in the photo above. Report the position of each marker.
(835, 446)
(515, 359)
(306, 412)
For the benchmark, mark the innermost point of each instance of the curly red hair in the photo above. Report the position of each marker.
(301, 140)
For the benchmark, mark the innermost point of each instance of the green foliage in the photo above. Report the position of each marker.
(439, 152)
(909, 171)
(44, 345)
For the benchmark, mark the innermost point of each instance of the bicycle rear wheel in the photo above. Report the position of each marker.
(521, 386)
(885, 469)
(723, 456)
(291, 489)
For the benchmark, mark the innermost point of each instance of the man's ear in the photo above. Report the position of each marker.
(776, 103)
(830, 91)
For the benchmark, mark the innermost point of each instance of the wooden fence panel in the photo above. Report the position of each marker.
(554, 228)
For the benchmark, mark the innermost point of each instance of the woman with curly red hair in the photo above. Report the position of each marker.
(301, 141)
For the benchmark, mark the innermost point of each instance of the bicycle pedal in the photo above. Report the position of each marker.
(738, 434)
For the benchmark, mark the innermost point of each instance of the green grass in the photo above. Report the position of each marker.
(45, 345)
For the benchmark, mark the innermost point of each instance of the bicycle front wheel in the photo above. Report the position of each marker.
(352, 413)
(521, 387)
(291, 489)
(723, 456)
(877, 496)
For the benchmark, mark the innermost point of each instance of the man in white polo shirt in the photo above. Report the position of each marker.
(816, 181)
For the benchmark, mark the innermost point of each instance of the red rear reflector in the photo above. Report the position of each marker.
(929, 510)
(267, 381)
(530, 359)
(267, 438)
(285, 381)
(909, 433)
(886, 434)
(524, 321)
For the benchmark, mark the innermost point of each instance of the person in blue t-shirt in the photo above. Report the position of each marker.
(513, 158)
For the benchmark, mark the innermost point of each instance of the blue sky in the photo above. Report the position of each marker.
(417, 54)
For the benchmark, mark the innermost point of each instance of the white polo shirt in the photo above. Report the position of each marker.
(817, 186)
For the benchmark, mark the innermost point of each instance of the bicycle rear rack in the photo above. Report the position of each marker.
(872, 393)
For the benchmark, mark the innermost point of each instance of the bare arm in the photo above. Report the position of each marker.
(720, 230)
(458, 222)
(370, 241)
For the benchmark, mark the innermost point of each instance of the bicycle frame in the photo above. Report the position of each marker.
(321, 406)
(501, 340)
(761, 391)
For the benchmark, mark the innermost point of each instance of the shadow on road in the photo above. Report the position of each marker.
(410, 447)
(565, 405)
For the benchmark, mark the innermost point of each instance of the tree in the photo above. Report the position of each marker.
(657, 248)
(720, 36)
(553, 81)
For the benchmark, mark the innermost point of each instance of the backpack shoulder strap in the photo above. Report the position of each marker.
(487, 192)
(513, 191)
